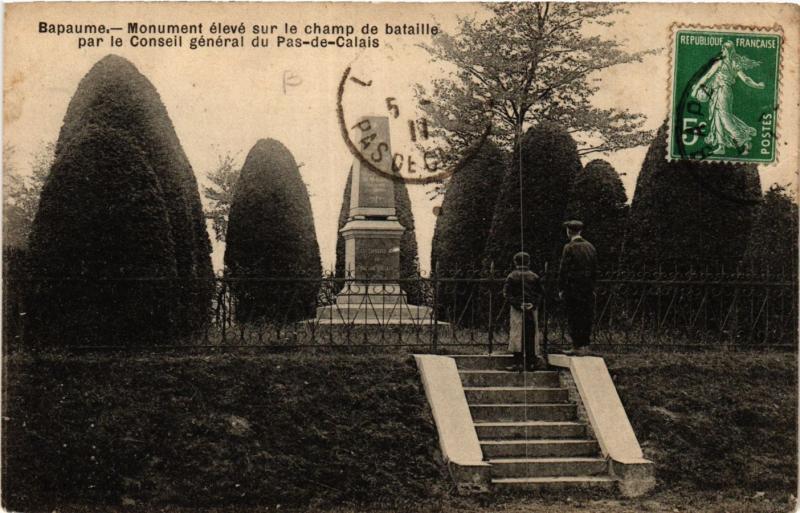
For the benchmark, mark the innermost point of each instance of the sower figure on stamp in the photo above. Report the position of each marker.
(523, 291)
(576, 276)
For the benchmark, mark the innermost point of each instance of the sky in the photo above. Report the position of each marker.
(221, 101)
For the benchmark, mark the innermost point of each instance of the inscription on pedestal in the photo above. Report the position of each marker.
(377, 258)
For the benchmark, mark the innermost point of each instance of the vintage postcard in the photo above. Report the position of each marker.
(400, 257)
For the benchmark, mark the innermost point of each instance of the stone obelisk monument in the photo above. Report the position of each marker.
(372, 240)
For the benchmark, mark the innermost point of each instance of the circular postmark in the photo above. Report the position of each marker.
(414, 154)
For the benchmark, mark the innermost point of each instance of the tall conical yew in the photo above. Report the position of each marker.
(547, 161)
(114, 97)
(461, 230)
(598, 199)
(271, 235)
(688, 213)
(466, 214)
(102, 226)
(409, 255)
(773, 242)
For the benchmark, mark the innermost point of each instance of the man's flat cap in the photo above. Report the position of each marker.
(573, 224)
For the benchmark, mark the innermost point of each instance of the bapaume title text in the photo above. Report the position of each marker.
(216, 34)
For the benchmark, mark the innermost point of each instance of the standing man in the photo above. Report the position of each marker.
(576, 276)
(523, 291)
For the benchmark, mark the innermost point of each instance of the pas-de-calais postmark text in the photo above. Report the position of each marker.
(416, 158)
(724, 94)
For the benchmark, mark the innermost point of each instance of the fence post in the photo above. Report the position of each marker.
(435, 339)
(491, 307)
(658, 302)
(222, 298)
(544, 315)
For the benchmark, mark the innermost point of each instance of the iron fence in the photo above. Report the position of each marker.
(467, 312)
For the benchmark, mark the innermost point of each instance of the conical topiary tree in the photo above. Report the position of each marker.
(688, 213)
(773, 241)
(465, 218)
(115, 95)
(409, 256)
(271, 235)
(772, 254)
(461, 230)
(598, 199)
(548, 162)
(102, 225)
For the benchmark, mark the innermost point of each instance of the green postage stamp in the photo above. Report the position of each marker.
(725, 94)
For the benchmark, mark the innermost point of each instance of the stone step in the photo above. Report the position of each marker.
(540, 448)
(548, 467)
(499, 378)
(508, 395)
(519, 412)
(561, 483)
(530, 429)
(483, 361)
(355, 314)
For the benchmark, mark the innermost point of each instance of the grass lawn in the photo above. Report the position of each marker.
(711, 420)
(659, 502)
(352, 433)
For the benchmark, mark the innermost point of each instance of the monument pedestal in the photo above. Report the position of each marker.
(372, 293)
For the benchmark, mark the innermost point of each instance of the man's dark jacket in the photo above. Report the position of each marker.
(578, 270)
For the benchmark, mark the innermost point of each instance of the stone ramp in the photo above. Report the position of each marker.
(528, 428)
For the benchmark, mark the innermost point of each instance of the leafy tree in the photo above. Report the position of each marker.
(539, 184)
(773, 240)
(220, 194)
(21, 195)
(598, 199)
(20, 202)
(689, 213)
(102, 224)
(462, 227)
(271, 235)
(14, 287)
(526, 64)
(409, 256)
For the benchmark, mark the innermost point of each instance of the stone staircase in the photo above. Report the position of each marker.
(528, 428)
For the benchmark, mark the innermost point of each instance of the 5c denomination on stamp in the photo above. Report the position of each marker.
(724, 94)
